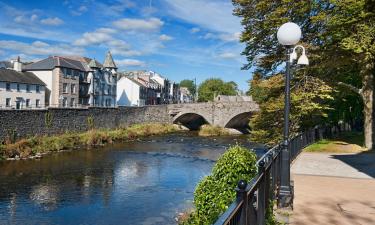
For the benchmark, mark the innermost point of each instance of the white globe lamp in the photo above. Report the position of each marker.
(289, 34)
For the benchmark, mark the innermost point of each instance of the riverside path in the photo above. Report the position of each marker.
(334, 189)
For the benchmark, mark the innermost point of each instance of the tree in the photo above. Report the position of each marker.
(213, 87)
(310, 104)
(353, 24)
(189, 84)
(338, 35)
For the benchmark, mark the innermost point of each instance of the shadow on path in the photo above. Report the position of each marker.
(363, 162)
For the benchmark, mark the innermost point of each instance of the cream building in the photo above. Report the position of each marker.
(20, 90)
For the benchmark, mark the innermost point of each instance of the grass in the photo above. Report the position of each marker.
(349, 142)
(26, 148)
(209, 130)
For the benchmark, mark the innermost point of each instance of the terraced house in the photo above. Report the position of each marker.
(75, 81)
(20, 90)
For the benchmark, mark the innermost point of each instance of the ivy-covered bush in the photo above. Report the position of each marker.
(216, 192)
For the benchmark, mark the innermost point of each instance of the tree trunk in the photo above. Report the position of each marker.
(367, 94)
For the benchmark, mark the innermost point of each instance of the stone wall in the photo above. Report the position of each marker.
(26, 123)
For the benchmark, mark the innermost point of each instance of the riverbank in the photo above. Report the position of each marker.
(36, 147)
(349, 142)
(210, 131)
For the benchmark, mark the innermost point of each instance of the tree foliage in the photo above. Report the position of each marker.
(213, 87)
(339, 36)
(310, 104)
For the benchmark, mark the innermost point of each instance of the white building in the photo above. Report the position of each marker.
(20, 90)
(130, 92)
(185, 95)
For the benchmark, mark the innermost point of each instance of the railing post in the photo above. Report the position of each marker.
(242, 196)
(261, 212)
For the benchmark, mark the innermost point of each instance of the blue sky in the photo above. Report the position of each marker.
(177, 38)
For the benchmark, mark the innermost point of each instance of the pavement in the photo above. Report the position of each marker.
(334, 189)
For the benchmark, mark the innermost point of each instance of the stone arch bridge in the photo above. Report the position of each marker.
(234, 115)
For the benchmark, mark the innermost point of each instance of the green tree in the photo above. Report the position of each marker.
(339, 38)
(189, 84)
(310, 104)
(213, 87)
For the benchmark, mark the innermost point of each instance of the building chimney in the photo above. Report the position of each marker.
(17, 65)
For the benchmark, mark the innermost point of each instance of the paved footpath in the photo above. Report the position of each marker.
(334, 189)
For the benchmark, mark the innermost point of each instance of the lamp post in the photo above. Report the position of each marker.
(288, 35)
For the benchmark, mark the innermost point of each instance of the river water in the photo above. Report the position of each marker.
(147, 181)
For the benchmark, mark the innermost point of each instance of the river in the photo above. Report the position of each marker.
(147, 181)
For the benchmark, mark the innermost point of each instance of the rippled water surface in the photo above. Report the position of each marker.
(142, 182)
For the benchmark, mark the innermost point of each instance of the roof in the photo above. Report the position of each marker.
(7, 75)
(6, 64)
(108, 62)
(134, 81)
(85, 60)
(93, 64)
(56, 61)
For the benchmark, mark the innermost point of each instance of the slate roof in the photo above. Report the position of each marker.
(12, 76)
(6, 64)
(108, 62)
(56, 61)
(85, 60)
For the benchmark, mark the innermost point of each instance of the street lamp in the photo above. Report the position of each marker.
(288, 35)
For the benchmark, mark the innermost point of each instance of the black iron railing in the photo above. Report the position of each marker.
(253, 199)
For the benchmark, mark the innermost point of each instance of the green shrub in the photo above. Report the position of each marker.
(216, 192)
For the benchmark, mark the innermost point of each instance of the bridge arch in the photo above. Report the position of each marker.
(239, 122)
(191, 120)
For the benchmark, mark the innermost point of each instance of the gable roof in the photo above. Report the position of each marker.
(6, 64)
(108, 62)
(7, 75)
(55, 61)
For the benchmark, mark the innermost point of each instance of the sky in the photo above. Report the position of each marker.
(180, 39)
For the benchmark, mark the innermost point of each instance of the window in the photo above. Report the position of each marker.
(37, 103)
(109, 90)
(76, 73)
(27, 103)
(65, 88)
(72, 102)
(7, 103)
(73, 88)
(18, 88)
(28, 87)
(8, 86)
(37, 87)
(69, 72)
(65, 102)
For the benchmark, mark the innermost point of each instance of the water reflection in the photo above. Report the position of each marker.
(143, 182)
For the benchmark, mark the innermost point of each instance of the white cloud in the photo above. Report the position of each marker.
(40, 48)
(228, 55)
(230, 37)
(120, 47)
(151, 24)
(115, 9)
(211, 14)
(195, 30)
(130, 62)
(52, 21)
(95, 38)
(165, 37)
(235, 37)
(81, 10)
(34, 17)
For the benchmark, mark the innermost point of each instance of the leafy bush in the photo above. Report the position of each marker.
(216, 192)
